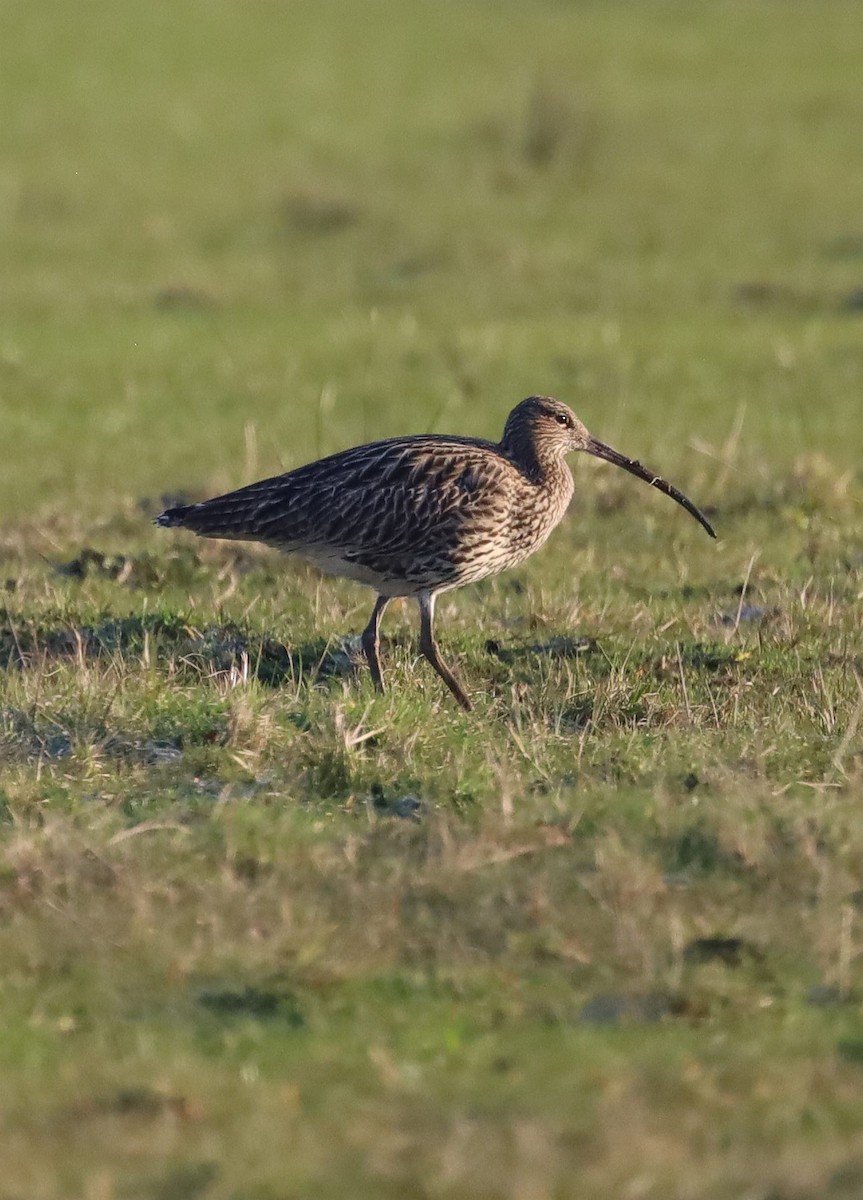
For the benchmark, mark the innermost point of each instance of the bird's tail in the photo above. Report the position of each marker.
(230, 516)
(174, 517)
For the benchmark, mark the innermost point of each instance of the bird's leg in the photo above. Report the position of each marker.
(429, 650)
(370, 641)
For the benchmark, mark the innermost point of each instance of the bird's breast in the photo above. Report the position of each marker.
(535, 511)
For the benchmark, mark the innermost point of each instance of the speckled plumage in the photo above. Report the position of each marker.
(416, 516)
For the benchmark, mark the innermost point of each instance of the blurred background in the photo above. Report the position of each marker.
(236, 236)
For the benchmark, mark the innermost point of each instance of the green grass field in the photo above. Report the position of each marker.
(265, 934)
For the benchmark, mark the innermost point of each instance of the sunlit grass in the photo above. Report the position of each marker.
(264, 932)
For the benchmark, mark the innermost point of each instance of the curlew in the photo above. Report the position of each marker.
(417, 516)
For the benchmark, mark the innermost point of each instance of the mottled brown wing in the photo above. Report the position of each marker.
(386, 506)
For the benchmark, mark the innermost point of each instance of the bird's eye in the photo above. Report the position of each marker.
(561, 418)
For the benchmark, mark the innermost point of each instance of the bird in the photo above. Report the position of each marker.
(419, 515)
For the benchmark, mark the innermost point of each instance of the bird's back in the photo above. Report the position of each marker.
(401, 514)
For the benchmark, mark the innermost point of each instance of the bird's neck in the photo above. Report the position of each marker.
(544, 469)
(557, 480)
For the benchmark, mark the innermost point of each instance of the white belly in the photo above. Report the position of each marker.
(331, 562)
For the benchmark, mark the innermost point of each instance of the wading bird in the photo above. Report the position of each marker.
(417, 516)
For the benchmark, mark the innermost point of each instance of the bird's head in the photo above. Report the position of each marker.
(541, 430)
(545, 426)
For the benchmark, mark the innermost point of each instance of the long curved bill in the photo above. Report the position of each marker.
(600, 450)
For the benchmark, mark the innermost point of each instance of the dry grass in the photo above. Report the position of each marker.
(459, 953)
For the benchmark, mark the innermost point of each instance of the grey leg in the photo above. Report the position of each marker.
(429, 650)
(371, 641)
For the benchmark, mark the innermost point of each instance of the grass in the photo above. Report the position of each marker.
(267, 934)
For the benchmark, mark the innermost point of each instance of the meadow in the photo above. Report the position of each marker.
(266, 934)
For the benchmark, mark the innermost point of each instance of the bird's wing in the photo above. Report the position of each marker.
(388, 497)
